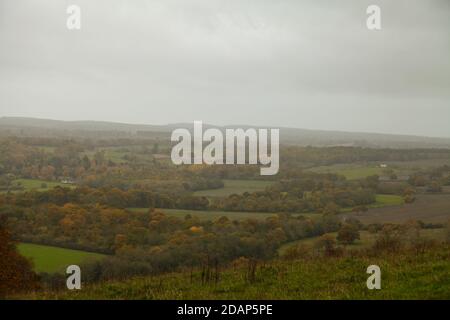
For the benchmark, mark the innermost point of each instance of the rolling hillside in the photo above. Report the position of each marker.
(408, 275)
(294, 136)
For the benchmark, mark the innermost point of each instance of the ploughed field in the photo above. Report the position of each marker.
(426, 207)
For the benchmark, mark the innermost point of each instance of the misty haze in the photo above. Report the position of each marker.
(311, 65)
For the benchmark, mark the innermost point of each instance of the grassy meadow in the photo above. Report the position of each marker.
(111, 154)
(40, 185)
(54, 259)
(381, 201)
(353, 171)
(350, 171)
(386, 200)
(408, 275)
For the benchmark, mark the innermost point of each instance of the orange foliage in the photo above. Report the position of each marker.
(16, 273)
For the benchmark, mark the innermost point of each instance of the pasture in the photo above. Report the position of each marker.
(354, 171)
(350, 171)
(124, 154)
(38, 185)
(54, 259)
(235, 186)
(386, 200)
(410, 166)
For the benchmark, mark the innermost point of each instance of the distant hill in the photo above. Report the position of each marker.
(101, 129)
(19, 122)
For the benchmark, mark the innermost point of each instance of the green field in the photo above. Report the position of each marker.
(47, 149)
(350, 171)
(39, 185)
(54, 259)
(408, 167)
(406, 275)
(386, 200)
(359, 171)
(381, 201)
(235, 186)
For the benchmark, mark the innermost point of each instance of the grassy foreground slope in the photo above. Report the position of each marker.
(405, 275)
(53, 259)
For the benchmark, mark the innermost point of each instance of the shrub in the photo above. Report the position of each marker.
(348, 234)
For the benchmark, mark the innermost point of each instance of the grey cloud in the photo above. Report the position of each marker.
(310, 64)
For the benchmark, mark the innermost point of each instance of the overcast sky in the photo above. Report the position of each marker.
(307, 64)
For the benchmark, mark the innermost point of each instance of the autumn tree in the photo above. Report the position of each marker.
(347, 234)
(409, 195)
(331, 208)
(327, 244)
(16, 274)
(434, 187)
